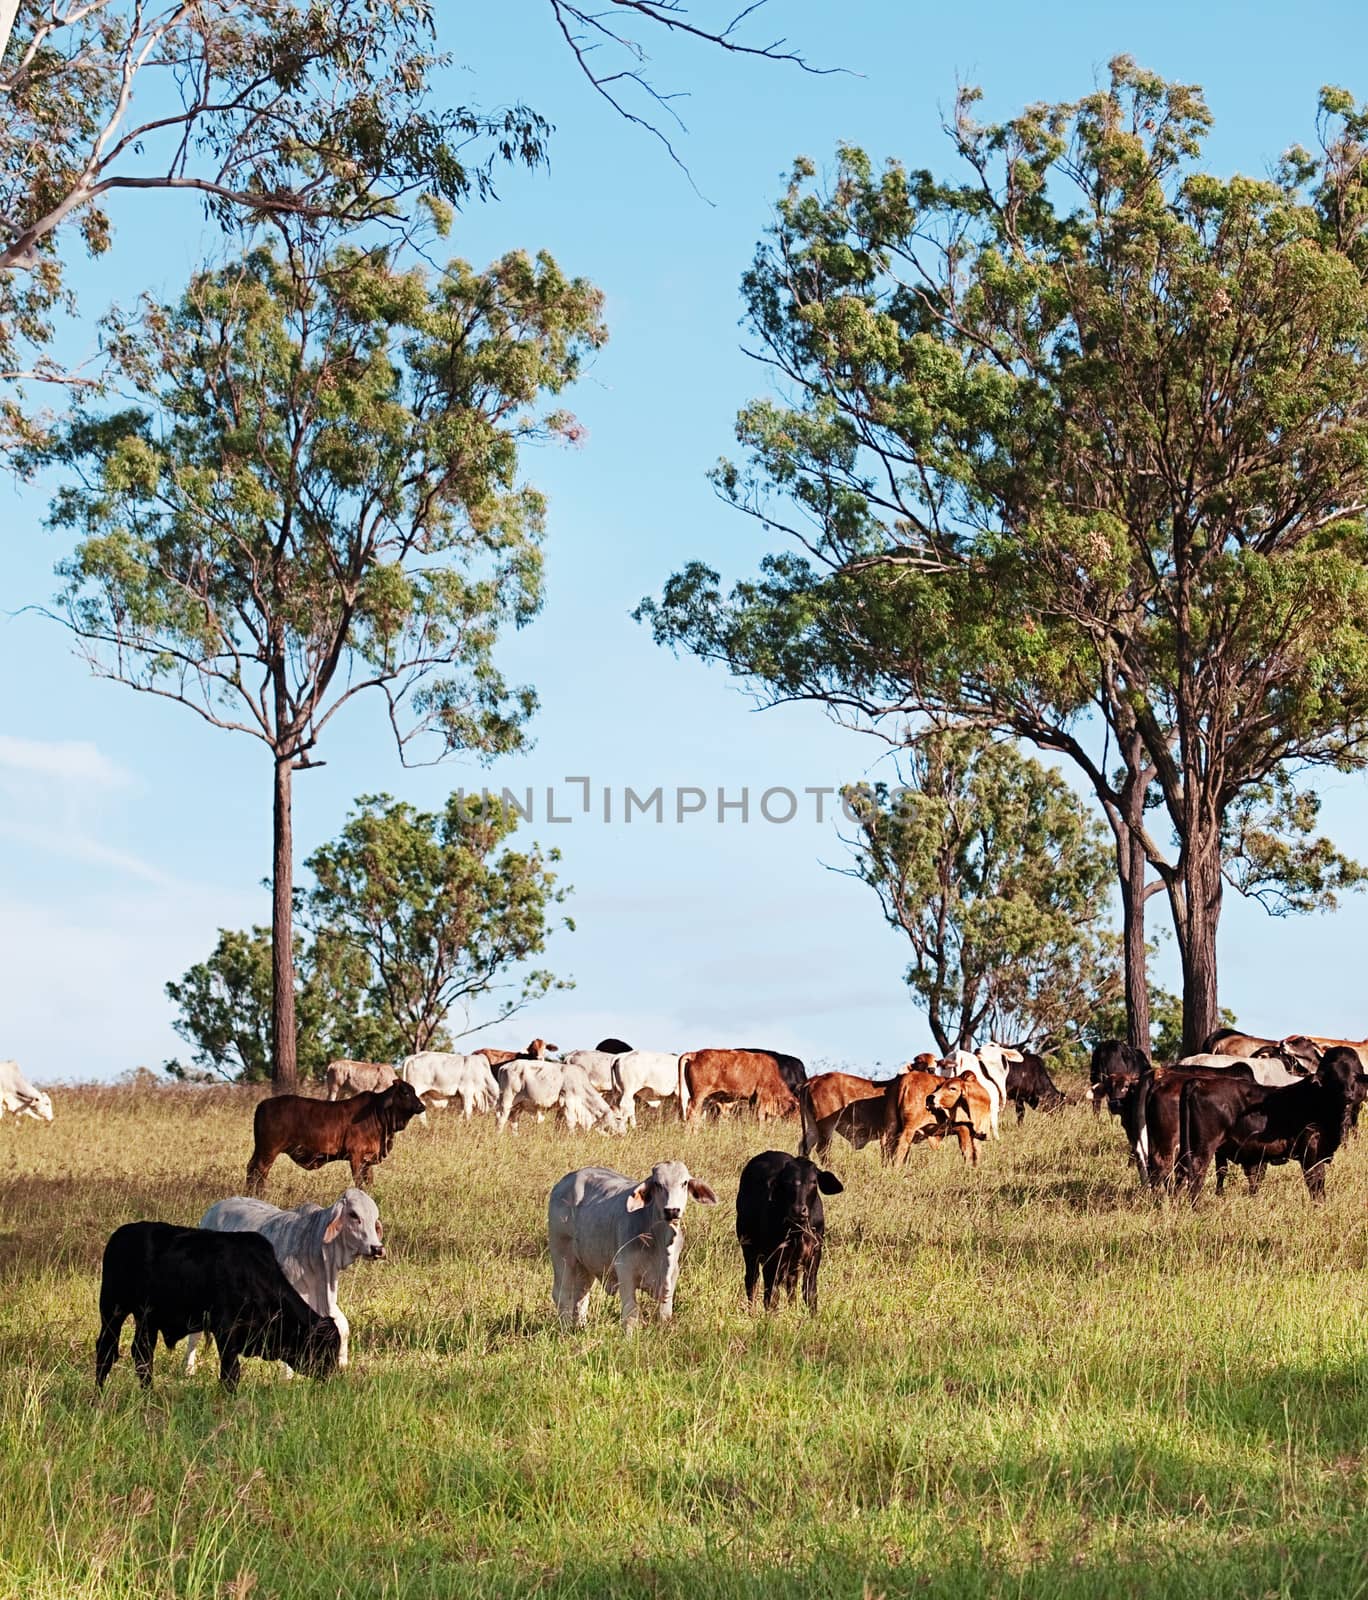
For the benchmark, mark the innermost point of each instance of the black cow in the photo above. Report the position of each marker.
(613, 1047)
(1259, 1127)
(1116, 1074)
(176, 1281)
(780, 1223)
(1030, 1084)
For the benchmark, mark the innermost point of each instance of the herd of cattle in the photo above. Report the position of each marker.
(263, 1281)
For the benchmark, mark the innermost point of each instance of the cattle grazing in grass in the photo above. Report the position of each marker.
(344, 1078)
(313, 1244)
(909, 1117)
(543, 1086)
(174, 1281)
(1259, 1127)
(965, 1108)
(1297, 1051)
(19, 1096)
(841, 1102)
(603, 1225)
(753, 1076)
(780, 1223)
(597, 1064)
(1030, 1084)
(651, 1072)
(441, 1076)
(360, 1131)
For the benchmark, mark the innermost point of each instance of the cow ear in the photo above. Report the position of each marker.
(335, 1225)
(829, 1183)
(701, 1192)
(640, 1197)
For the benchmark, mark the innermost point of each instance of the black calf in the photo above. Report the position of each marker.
(780, 1223)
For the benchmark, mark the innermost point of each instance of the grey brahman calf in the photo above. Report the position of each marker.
(313, 1244)
(602, 1224)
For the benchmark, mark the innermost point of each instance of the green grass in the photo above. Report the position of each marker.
(1025, 1380)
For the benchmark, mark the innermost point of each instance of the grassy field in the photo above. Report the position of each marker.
(1025, 1380)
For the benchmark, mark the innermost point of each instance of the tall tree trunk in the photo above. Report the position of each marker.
(1135, 955)
(1202, 915)
(284, 1070)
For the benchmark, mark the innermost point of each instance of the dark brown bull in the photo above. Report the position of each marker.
(313, 1132)
(731, 1075)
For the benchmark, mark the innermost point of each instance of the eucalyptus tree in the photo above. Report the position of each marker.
(989, 864)
(1073, 445)
(317, 498)
(436, 914)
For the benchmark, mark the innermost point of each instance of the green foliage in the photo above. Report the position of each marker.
(308, 114)
(225, 1009)
(1076, 447)
(321, 487)
(433, 915)
(987, 862)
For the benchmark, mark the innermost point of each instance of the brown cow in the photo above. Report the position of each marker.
(313, 1132)
(749, 1075)
(357, 1077)
(908, 1115)
(968, 1110)
(827, 1098)
(497, 1058)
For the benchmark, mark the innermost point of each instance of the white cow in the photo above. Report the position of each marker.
(601, 1224)
(989, 1065)
(313, 1246)
(1267, 1070)
(597, 1063)
(546, 1085)
(652, 1070)
(18, 1095)
(440, 1076)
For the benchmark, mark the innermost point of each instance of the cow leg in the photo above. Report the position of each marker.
(1021, 1112)
(361, 1172)
(752, 1260)
(192, 1352)
(770, 1267)
(230, 1365)
(631, 1314)
(344, 1334)
(1254, 1176)
(257, 1173)
(810, 1278)
(1315, 1179)
(144, 1344)
(107, 1344)
(968, 1149)
(570, 1291)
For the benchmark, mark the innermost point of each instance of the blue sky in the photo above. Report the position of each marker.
(129, 832)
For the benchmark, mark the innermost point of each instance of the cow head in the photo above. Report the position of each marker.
(355, 1222)
(797, 1193)
(399, 1104)
(950, 1101)
(669, 1188)
(26, 1101)
(539, 1048)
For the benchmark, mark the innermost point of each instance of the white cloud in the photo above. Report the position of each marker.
(72, 760)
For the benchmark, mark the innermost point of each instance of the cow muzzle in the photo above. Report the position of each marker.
(673, 1213)
(377, 1252)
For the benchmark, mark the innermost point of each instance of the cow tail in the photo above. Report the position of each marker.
(615, 1074)
(806, 1118)
(683, 1082)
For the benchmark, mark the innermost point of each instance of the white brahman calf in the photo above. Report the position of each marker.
(313, 1245)
(597, 1063)
(18, 1095)
(654, 1071)
(439, 1076)
(602, 1224)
